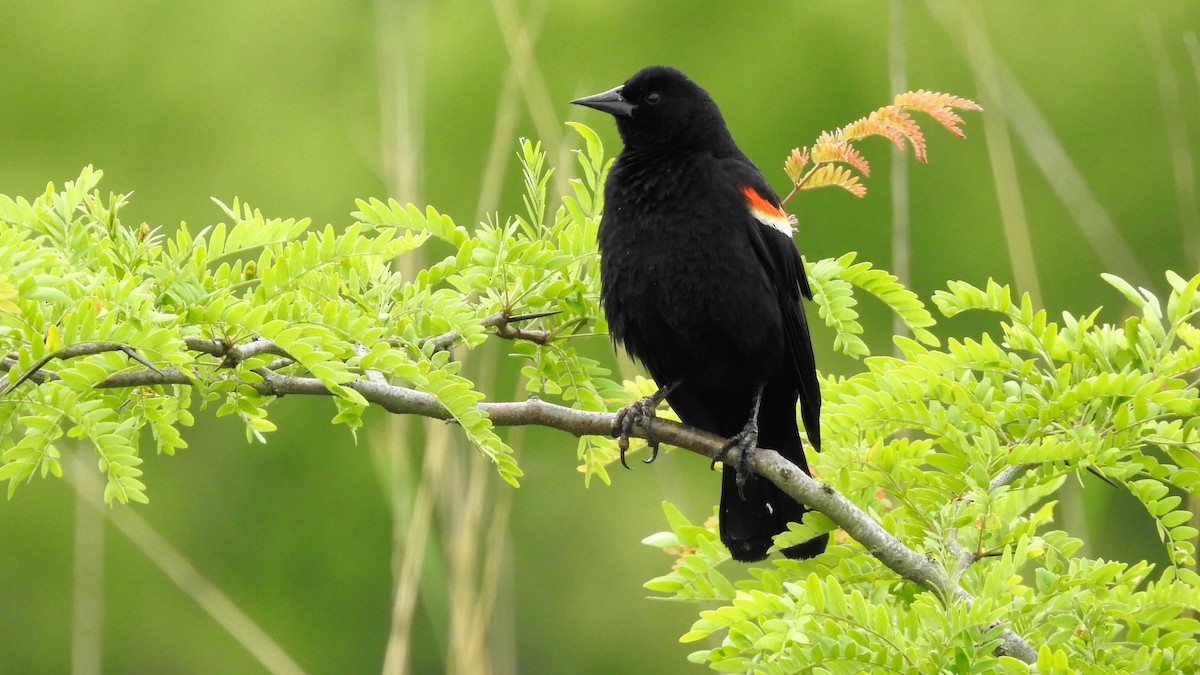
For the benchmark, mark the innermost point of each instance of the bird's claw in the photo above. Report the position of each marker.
(745, 441)
(638, 412)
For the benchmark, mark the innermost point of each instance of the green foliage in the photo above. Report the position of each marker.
(331, 303)
(956, 450)
(833, 282)
(958, 453)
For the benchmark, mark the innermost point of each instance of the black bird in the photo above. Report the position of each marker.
(701, 282)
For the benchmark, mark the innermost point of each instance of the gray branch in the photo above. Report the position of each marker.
(400, 400)
(35, 373)
(501, 322)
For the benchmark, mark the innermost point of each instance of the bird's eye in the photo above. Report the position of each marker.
(653, 98)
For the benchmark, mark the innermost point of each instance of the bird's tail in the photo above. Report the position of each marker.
(749, 520)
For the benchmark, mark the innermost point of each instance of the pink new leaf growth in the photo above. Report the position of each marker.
(832, 174)
(891, 122)
(830, 148)
(939, 106)
(795, 163)
(896, 121)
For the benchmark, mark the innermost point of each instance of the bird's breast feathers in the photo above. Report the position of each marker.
(767, 213)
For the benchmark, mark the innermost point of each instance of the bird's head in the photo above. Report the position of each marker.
(660, 106)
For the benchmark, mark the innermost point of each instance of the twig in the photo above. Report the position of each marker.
(535, 412)
(69, 352)
(1008, 475)
(502, 322)
(236, 353)
(8, 363)
(963, 559)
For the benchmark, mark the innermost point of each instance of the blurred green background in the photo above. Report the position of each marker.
(298, 108)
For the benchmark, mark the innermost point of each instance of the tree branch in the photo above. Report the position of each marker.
(501, 321)
(406, 401)
(35, 373)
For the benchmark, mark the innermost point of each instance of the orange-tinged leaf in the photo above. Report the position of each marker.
(900, 122)
(795, 163)
(830, 148)
(892, 122)
(938, 106)
(839, 176)
(870, 125)
(922, 98)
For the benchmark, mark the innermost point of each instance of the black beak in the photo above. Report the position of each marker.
(610, 102)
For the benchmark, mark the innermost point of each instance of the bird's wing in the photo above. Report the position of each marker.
(770, 232)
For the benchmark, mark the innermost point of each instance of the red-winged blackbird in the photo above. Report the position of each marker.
(701, 282)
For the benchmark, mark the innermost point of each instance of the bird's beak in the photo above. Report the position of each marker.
(610, 102)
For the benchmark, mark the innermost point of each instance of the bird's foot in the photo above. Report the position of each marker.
(745, 441)
(640, 412)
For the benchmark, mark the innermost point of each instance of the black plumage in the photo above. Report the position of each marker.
(702, 283)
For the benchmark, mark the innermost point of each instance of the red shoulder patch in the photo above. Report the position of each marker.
(765, 212)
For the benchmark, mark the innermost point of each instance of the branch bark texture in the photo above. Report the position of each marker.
(400, 400)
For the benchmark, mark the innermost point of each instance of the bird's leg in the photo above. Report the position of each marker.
(639, 412)
(745, 441)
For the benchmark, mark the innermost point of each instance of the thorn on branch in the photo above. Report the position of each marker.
(69, 352)
(132, 353)
(1100, 474)
(32, 372)
(9, 363)
(535, 315)
(501, 322)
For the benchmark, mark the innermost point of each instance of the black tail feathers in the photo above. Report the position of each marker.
(749, 525)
